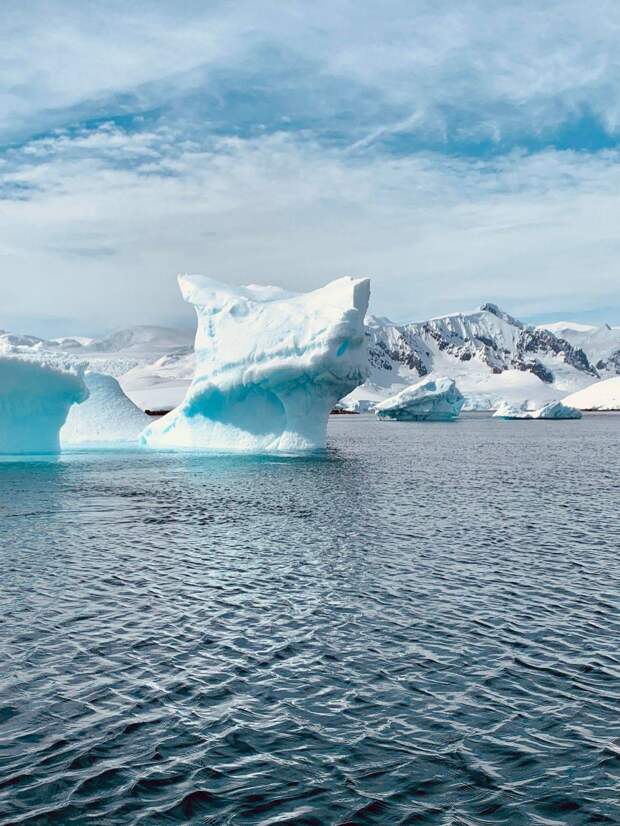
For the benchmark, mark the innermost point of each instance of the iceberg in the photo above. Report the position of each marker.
(270, 366)
(107, 417)
(432, 400)
(552, 410)
(556, 410)
(35, 398)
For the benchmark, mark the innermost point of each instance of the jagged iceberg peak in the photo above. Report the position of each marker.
(35, 398)
(432, 399)
(270, 365)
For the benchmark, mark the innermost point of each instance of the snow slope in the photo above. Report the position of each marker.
(161, 385)
(107, 417)
(35, 398)
(604, 395)
(270, 365)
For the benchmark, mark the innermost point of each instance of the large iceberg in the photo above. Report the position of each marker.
(35, 398)
(107, 417)
(435, 400)
(270, 366)
(553, 410)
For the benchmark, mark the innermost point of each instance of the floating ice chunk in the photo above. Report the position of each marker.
(270, 366)
(107, 417)
(552, 410)
(506, 410)
(435, 400)
(35, 398)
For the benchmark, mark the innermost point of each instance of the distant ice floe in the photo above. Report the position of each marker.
(106, 418)
(35, 399)
(553, 410)
(435, 399)
(270, 366)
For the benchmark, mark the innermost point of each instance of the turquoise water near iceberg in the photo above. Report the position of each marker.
(420, 626)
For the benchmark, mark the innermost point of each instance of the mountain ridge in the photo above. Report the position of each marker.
(488, 334)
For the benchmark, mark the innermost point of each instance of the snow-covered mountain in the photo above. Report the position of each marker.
(489, 336)
(600, 344)
(115, 354)
(142, 338)
(491, 355)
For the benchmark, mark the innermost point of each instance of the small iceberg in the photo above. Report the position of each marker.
(430, 400)
(552, 410)
(270, 366)
(106, 418)
(35, 399)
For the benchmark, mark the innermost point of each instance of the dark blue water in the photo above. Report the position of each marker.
(420, 627)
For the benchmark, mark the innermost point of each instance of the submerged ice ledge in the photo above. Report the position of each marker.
(270, 366)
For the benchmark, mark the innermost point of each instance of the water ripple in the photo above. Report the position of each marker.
(419, 627)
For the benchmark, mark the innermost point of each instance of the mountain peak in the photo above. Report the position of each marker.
(489, 307)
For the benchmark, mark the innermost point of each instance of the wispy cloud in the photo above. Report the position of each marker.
(436, 233)
(468, 70)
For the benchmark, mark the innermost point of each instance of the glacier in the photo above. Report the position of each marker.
(270, 366)
(107, 417)
(35, 399)
(436, 399)
(553, 410)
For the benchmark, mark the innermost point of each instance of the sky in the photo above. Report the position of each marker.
(455, 151)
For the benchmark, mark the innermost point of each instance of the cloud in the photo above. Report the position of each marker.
(438, 146)
(532, 231)
(441, 70)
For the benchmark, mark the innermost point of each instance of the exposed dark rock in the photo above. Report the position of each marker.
(612, 363)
